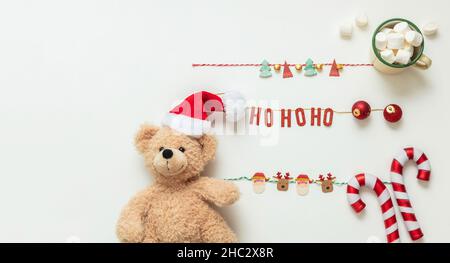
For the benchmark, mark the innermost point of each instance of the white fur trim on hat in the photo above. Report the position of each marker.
(234, 105)
(186, 125)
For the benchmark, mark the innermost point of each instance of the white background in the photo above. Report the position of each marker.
(77, 78)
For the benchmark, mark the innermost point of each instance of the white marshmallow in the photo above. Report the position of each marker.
(402, 57)
(386, 30)
(361, 20)
(381, 41)
(414, 38)
(402, 27)
(346, 30)
(430, 29)
(388, 56)
(409, 48)
(395, 41)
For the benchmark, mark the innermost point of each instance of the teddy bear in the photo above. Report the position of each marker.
(178, 206)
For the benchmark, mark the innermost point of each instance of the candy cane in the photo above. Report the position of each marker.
(384, 198)
(399, 188)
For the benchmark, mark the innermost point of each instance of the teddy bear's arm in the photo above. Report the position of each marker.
(130, 227)
(218, 192)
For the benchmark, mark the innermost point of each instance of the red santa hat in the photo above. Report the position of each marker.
(260, 176)
(191, 115)
(302, 178)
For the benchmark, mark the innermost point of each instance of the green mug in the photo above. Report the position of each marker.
(419, 59)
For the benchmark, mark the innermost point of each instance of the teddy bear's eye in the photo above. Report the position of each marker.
(161, 148)
(182, 149)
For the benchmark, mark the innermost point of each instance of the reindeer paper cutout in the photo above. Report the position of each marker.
(326, 183)
(283, 182)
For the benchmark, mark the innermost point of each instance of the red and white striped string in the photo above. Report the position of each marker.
(384, 199)
(290, 65)
(398, 185)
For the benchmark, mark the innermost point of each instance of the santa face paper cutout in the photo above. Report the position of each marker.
(259, 183)
(302, 182)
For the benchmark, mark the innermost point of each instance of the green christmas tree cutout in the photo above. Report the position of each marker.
(265, 70)
(310, 70)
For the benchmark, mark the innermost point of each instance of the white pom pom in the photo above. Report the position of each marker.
(235, 105)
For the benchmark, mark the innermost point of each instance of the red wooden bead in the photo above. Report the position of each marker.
(392, 113)
(361, 110)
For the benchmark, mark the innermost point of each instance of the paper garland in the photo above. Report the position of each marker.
(289, 117)
(259, 182)
(317, 116)
(326, 183)
(303, 182)
(309, 68)
(282, 182)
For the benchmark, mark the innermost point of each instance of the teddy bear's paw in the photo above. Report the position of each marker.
(228, 237)
(150, 240)
(229, 195)
(218, 232)
(130, 232)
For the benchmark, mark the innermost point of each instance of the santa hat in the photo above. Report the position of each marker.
(302, 177)
(190, 116)
(260, 176)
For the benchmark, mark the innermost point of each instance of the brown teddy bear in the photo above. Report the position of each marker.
(176, 208)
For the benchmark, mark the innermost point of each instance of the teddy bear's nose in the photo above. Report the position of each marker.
(167, 153)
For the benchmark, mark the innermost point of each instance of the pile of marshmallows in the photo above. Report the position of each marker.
(396, 45)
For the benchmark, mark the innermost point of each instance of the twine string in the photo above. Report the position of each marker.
(271, 65)
(271, 180)
(306, 109)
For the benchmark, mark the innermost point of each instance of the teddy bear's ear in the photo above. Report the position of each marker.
(144, 135)
(208, 144)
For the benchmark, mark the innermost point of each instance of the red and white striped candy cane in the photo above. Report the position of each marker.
(384, 198)
(399, 188)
